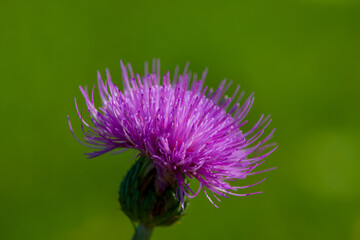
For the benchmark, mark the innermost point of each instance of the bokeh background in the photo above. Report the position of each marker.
(301, 58)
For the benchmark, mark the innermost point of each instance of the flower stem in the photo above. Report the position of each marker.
(142, 232)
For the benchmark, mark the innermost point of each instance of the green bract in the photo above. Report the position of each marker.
(143, 202)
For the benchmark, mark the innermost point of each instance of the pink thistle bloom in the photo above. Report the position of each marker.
(187, 130)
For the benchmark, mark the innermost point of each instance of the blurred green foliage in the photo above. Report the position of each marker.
(301, 58)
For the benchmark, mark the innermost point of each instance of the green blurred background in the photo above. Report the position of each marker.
(301, 58)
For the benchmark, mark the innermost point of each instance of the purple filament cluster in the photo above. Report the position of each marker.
(187, 130)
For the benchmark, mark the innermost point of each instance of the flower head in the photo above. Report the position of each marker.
(187, 130)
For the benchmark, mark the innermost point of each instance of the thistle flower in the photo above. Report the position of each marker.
(186, 130)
